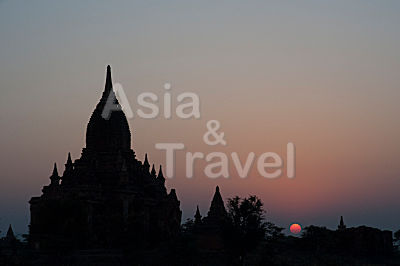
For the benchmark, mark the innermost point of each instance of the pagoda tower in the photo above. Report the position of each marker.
(341, 226)
(107, 198)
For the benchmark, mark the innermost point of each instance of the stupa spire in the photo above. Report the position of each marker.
(108, 86)
(69, 160)
(146, 162)
(153, 171)
(108, 128)
(217, 208)
(197, 216)
(341, 225)
(55, 178)
(160, 174)
(68, 165)
(55, 171)
(10, 233)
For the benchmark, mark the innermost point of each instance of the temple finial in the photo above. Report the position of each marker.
(10, 233)
(160, 177)
(197, 216)
(108, 86)
(217, 208)
(341, 225)
(69, 160)
(146, 161)
(69, 166)
(55, 178)
(153, 171)
(55, 171)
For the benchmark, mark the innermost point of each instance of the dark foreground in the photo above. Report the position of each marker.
(317, 246)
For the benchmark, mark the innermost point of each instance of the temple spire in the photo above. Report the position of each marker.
(341, 225)
(153, 171)
(108, 86)
(68, 165)
(197, 216)
(160, 174)
(69, 160)
(69, 168)
(10, 233)
(55, 171)
(108, 128)
(217, 208)
(55, 178)
(146, 162)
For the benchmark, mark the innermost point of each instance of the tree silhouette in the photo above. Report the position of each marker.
(247, 227)
(273, 232)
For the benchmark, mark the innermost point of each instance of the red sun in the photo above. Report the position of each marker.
(295, 229)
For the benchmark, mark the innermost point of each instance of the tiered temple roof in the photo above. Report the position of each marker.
(106, 195)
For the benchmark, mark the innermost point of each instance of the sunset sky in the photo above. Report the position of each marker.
(324, 75)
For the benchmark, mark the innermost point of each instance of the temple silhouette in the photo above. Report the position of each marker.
(208, 232)
(107, 197)
(109, 208)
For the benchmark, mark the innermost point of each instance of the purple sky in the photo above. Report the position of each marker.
(324, 75)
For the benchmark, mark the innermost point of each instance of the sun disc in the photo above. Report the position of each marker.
(295, 229)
